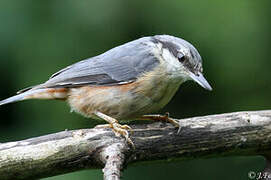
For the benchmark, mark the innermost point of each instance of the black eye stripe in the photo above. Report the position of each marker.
(192, 54)
(181, 57)
(173, 48)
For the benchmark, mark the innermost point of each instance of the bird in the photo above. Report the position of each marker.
(130, 81)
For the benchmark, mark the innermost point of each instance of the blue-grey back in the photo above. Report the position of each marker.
(121, 64)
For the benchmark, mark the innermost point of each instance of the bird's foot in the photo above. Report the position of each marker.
(163, 118)
(118, 129)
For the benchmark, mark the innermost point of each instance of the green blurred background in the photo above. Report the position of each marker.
(37, 38)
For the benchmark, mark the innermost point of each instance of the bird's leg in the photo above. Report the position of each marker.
(117, 128)
(163, 118)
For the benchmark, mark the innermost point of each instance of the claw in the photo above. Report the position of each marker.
(164, 118)
(119, 130)
(174, 122)
(126, 127)
(122, 130)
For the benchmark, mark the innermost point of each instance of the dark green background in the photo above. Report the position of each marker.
(37, 38)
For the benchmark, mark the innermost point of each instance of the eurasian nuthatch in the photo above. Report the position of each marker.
(126, 82)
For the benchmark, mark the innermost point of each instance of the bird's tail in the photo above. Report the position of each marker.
(46, 93)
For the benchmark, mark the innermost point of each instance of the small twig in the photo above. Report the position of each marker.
(113, 159)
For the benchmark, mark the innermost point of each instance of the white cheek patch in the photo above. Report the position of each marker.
(169, 58)
(173, 63)
(173, 66)
(169, 62)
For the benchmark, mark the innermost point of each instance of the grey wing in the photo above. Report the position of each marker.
(119, 65)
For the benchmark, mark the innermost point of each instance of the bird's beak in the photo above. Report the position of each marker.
(201, 81)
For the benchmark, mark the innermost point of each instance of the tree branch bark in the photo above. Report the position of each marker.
(241, 133)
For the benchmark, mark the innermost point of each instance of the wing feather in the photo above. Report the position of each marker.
(119, 65)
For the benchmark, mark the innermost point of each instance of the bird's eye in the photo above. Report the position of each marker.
(181, 57)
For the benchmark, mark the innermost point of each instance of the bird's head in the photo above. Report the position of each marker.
(183, 58)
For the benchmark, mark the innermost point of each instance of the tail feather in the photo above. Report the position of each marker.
(47, 93)
(25, 89)
(21, 97)
(12, 99)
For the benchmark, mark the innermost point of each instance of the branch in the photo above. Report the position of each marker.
(241, 133)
